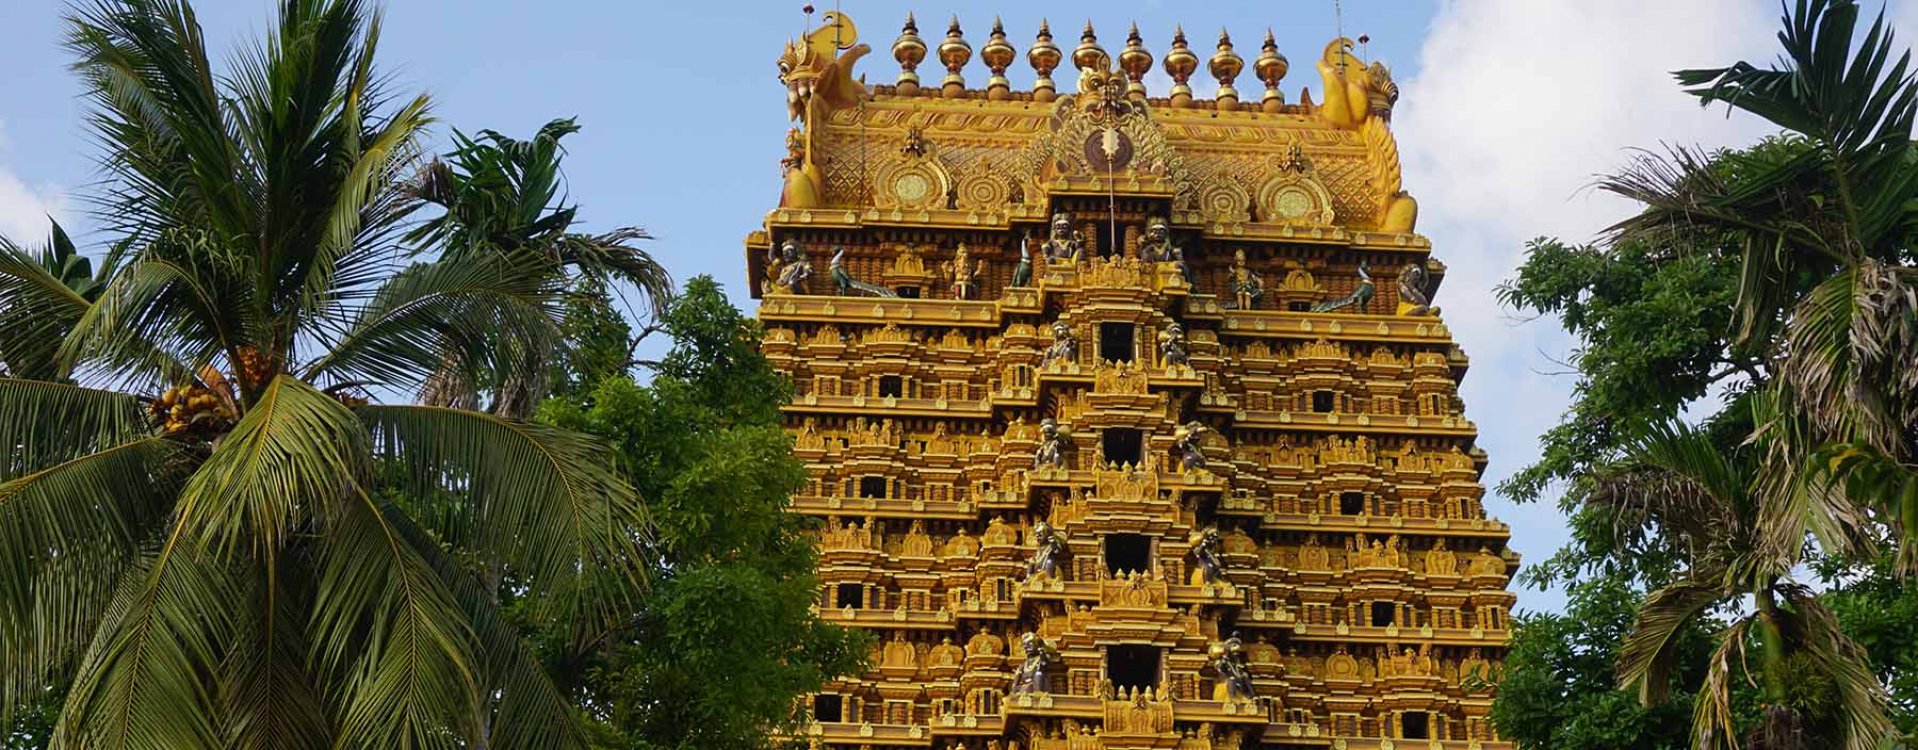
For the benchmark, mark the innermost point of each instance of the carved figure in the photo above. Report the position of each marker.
(1357, 299)
(787, 268)
(1416, 290)
(810, 69)
(1064, 246)
(1032, 676)
(1048, 550)
(1205, 552)
(1228, 659)
(1172, 349)
(1022, 273)
(1064, 348)
(962, 272)
(1053, 444)
(1156, 247)
(1188, 442)
(1439, 561)
(1247, 287)
(844, 283)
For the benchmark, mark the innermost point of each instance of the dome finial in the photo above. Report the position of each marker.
(909, 50)
(997, 54)
(1270, 68)
(1180, 62)
(1136, 61)
(954, 53)
(1044, 58)
(1225, 66)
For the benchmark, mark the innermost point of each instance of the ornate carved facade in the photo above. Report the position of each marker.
(1131, 421)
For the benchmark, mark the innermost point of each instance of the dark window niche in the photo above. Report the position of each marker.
(1116, 342)
(1122, 446)
(850, 595)
(1417, 725)
(892, 386)
(1298, 306)
(1324, 401)
(828, 707)
(1127, 553)
(1130, 667)
(1352, 503)
(907, 292)
(872, 486)
(1382, 614)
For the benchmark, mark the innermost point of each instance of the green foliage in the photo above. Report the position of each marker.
(725, 641)
(1558, 690)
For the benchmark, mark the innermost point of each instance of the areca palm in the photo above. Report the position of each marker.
(1829, 282)
(503, 195)
(1817, 690)
(204, 521)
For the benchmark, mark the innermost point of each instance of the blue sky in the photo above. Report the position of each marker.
(1509, 107)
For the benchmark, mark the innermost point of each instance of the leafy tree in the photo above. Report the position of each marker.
(504, 196)
(1558, 690)
(1827, 284)
(726, 641)
(203, 522)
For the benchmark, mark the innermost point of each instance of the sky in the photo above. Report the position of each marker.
(1508, 109)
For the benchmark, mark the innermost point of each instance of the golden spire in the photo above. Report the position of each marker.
(954, 53)
(1089, 56)
(1136, 62)
(997, 54)
(1180, 63)
(1044, 57)
(1270, 68)
(1225, 66)
(909, 50)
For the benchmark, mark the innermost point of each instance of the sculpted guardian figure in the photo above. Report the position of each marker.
(1031, 676)
(1053, 443)
(1048, 550)
(1064, 348)
(1063, 246)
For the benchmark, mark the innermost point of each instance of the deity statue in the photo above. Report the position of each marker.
(962, 272)
(1064, 348)
(787, 268)
(1416, 290)
(1228, 659)
(1188, 442)
(946, 654)
(1357, 300)
(984, 643)
(1172, 348)
(1156, 247)
(1394, 553)
(844, 283)
(1053, 443)
(1064, 246)
(1022, 273)
(1205, 553)
(1031, 676)
(1440, 561)
(795, 157)
(1487, 564)
(1247, 287)
(1048, 550)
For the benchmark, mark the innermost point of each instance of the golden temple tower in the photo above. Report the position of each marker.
(1130, 420)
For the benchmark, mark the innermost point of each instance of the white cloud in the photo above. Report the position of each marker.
(24, 208)
(1517, 105)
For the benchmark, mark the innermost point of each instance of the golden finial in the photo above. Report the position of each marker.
(1225, 66)
(1180, 63)
(954, 53)
(997, 54)
(1089, 56)
(909, 50)
(1270, 68)
(1044, 57)
(1136, 62)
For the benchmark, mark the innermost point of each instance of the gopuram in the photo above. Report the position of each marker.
(1131, 421)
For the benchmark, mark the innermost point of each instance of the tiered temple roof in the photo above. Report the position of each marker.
(1130, 420)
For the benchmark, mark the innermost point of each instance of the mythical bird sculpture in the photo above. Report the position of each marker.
(1356, 300)
(843, 281)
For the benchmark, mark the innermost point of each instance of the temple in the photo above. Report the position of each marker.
(1130, 419)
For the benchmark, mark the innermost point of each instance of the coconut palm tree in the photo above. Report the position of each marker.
(503, 195)
(207, 519)
(1816, 687)
(1829, 283)
(50, 288)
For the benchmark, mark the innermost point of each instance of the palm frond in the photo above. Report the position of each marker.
(1862, 706)
(546, 500)
(38, 307)
(145, 681)
(42, 422)
(292, 459)
(1650, 653)
(270, 695)
(391, 638)
(472, 310)
(614, 255)
(1714, 726)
